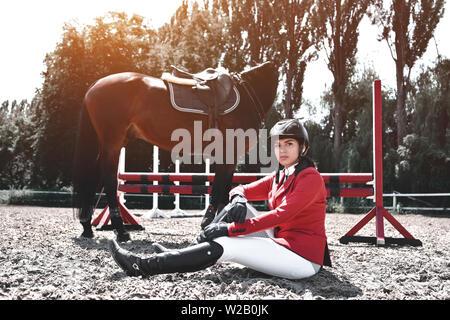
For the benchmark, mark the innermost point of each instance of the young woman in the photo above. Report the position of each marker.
(288, 241)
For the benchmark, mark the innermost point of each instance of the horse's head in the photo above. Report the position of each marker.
(263, 79)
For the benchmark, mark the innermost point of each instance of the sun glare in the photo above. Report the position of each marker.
(30, 29)
(154, 11)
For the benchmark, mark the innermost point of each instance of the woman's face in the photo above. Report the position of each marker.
(287, 151)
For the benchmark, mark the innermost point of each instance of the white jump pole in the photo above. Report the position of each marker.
(177, 210)
(121, 170)
(207, 171)
(155, 212)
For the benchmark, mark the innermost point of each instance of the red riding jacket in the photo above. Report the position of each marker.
(297, 213)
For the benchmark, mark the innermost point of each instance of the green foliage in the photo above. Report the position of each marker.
(321, 146)
(422, 166)
(280, 31)
(423, 159)
(432, 95)
(115, 43)
(194, 38)
(249, 32)
(18, 129)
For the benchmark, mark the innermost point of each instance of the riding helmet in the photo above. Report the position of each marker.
(291, 128)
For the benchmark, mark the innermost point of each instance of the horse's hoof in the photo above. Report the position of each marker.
(123, 237)
(87, 230)
(87, 234)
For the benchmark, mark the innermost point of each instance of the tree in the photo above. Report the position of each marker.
(115, 43)
(194, 37)
(422, 166)
(336, 25)
(281, 31)
(423, 162)
(407, 27)
(296, 45)
(431, 93)
(18, 130)
(249, 32)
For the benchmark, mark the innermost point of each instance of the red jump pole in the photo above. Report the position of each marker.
(377, 138)
(201, 178)
(164, 189)
(379, 212)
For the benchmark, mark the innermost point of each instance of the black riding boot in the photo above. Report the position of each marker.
(190, 259)
(117, 224)
(158, 248)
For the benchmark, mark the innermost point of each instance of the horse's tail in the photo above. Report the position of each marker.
(86, 173)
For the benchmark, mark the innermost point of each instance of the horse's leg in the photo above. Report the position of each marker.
(219, 195)
(87, 228)
(110, 160)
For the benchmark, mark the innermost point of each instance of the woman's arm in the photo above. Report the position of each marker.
(255, 191)
(306, 191)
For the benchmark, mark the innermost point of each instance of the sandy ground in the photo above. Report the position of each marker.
(43, 257)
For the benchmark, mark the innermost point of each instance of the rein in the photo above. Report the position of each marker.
(251, 93)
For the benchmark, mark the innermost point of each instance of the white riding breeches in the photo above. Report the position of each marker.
(259, 252)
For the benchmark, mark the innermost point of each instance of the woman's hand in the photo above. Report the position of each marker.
(212, 231)
(238, 209)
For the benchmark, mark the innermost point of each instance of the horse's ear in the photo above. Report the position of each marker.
(252, 66)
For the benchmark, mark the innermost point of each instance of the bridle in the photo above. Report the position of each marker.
(251, 93)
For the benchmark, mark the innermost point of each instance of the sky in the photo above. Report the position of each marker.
(30, 29)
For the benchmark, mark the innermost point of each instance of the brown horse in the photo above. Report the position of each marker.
(126, 106)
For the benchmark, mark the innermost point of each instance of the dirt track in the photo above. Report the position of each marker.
(42, 257)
